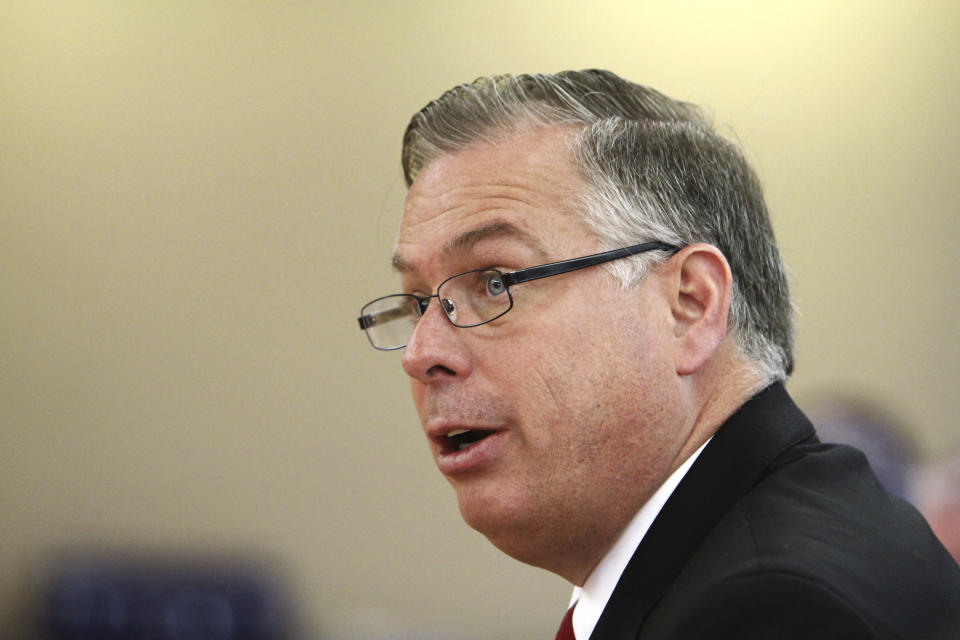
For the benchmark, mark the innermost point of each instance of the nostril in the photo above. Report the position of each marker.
(439, 369)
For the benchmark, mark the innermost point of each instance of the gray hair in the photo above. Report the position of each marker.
(655, 170)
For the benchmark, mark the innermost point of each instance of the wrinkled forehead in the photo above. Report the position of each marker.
(525, 187)
(499, 231)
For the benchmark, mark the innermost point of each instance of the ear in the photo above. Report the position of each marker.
(700, 284)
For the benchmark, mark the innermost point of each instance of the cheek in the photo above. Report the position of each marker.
(563, 364)
(613, 381)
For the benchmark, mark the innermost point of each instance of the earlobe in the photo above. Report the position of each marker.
(700, 301)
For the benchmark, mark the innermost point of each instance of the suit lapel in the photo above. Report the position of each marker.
(728, 467)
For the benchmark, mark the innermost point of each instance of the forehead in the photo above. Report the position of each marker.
(524, 188)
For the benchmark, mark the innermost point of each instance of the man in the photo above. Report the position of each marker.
(620, 420)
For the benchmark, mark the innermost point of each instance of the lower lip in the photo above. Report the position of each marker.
(477, 456)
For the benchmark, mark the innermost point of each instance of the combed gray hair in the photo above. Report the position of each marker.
(655, 169)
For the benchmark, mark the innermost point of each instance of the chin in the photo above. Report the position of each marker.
(493, 511)
(511, 524)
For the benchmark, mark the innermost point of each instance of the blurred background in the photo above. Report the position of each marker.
(197, 197)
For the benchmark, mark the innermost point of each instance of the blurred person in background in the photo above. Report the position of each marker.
(597, 329)
(934, 487)
(863, 424)
(937, 495)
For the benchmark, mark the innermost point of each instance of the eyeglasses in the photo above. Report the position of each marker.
(471, 298)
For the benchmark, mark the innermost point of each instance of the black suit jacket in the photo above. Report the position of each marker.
(772, 534)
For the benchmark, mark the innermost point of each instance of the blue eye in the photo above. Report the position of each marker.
(495, 285)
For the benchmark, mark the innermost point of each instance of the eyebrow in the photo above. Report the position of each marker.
(468, 239)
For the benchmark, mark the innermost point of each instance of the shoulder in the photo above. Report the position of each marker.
(815, 549)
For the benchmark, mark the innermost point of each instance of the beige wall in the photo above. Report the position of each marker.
(196, 198)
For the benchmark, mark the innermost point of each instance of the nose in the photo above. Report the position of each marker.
(435, 351)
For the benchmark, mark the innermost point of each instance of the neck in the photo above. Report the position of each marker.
(715, 392)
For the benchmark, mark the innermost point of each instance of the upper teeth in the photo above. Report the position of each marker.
(456, 432)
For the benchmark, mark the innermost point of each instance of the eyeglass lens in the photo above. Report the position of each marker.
(474, 297)
(467, 299)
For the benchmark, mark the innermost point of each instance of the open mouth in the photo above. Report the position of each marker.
(460, 439)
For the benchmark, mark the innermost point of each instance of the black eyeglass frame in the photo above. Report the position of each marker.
(517, 277)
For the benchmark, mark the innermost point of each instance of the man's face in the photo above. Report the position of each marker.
(571, 390)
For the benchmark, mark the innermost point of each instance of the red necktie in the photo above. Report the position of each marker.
(565, 632)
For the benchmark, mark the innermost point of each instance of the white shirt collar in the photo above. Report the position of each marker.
(596, 591)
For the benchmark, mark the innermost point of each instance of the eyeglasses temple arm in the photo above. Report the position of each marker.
(564, 266)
